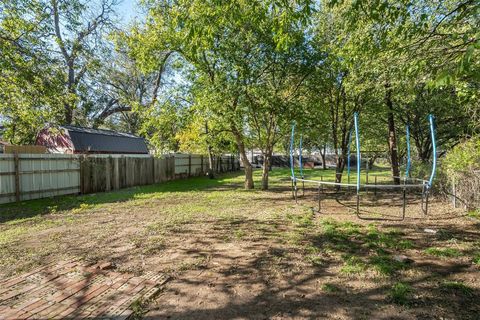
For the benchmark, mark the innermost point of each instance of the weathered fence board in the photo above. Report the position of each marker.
(32, 176)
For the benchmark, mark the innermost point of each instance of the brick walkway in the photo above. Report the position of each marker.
(70, 290)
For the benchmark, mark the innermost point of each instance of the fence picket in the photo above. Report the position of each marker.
(73, 174)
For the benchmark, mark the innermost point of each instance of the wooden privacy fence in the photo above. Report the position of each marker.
(33, 176)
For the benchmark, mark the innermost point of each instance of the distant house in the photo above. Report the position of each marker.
(79, 140)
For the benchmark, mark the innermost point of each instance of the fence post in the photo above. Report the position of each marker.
(108, 172)
(201, 165)
(153, 170)
(17, 176)
(189, 165)
(80, 164)
(454, 193)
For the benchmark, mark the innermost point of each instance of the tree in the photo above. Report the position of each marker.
(77, 33)
(224, 55)
(29, 79)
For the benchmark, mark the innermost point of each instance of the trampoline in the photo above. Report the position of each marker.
(406, 182)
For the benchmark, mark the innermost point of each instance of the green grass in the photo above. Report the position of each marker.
(443, 252)
(474, 214)
(476, 258)
(364, 247)
(383, 174)
(29, 209)
(385, 265)
(456, 287)
(353, 265)
(330, 288)
(400, 293)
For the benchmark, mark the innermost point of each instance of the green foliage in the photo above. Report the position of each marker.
(443, 252)
(464, 157)
(400, 293)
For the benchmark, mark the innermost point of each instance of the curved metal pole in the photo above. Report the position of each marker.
(409, 160)
(348, 155)
(300, 156)
(292, 165)
(434, 150)
(357, 144)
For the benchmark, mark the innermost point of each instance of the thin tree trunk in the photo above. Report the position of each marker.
(69, 105)
(210, 171)
(323, 155)
(243, 156)
(267, 159)
(392, 137)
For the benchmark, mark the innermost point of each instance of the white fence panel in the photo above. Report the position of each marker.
(49, 175)
(196, 164)
(39, 176)
(7, 178)
(181, 163)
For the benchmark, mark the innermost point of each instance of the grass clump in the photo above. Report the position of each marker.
(456, 287)
(353, 265)
(315, 260)
(474, 214)
(385, 265)
(443, 252)
(330, 288)
(476, 259)
(400, 293)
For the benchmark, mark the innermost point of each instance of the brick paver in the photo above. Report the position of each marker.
(69, 289)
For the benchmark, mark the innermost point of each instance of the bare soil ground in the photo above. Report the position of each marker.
(235, 254)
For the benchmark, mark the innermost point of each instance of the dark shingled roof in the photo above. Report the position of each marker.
(105, 141)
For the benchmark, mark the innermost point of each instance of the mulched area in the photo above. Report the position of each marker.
(69, 289)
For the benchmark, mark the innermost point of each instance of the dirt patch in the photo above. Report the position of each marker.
(234, 254)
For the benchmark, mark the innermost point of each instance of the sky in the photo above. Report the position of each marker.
(128, 10)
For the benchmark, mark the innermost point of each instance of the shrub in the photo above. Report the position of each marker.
(462, 165)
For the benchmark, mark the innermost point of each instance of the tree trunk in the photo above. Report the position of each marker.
(267, 159)
(340, 165)
(210, 171)
(392, 138)
(371, 161)
(243, 156)
(323, 155)
(69, 105)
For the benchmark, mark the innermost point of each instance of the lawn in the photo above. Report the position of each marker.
(232, 253)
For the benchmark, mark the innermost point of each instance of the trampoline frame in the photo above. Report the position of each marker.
(424, 185)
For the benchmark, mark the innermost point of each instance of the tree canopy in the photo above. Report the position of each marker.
(228, 76)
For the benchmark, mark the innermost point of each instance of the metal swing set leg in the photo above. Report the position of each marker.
(425, 192)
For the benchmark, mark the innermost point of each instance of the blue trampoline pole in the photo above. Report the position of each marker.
(434, 150)
(300, 157)
(348, 155)
(409, 160)
(301, 165)
(427, 188)
(357, 144)
(292, 165)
